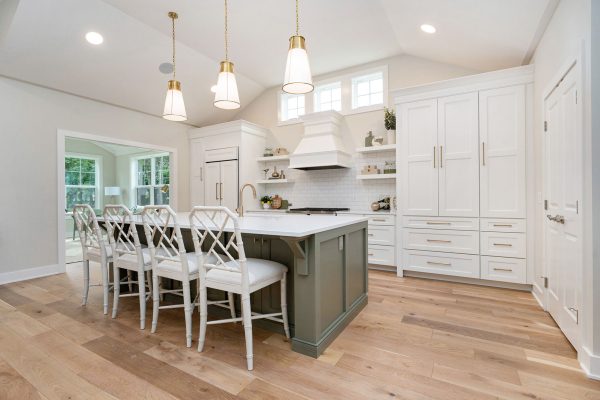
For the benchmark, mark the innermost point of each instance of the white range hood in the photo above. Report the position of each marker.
(321, 146)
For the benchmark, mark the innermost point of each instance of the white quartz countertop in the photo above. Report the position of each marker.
(289, 225)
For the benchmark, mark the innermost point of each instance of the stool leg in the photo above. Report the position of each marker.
(246, 315)
(155, 300)
(203, 315)
(86, 281)
(187, 301)
(231, 304)
(284, 314)
(129, 280)
(142, 297)
(105, 283)
(116, 289)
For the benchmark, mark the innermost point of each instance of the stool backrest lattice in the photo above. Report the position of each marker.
(163, 235)
(122, 231)
(90, 234)
(212, 223)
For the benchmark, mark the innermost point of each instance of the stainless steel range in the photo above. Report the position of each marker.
(316, 210)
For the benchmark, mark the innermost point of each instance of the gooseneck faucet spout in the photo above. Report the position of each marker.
(240, 209)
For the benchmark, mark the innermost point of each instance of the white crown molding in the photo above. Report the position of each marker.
(228, 127)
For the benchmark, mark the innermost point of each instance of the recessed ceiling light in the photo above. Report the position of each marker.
(213, 88)
(428, 28)
(94, 38)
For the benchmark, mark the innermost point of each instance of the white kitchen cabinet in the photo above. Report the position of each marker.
(502, 135)
(418, 148)
(462, 171)
(222, 158)
(458, 152)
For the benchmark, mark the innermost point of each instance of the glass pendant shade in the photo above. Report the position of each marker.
(226, 96)
(298, 78)
(174, 106)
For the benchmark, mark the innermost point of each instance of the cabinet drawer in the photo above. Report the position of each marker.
(442, 263)
(382, 234)
(441, 240)
(503, 244)
(502, 225)
(381, 219)
(466, 224)
(381, 255)
(504, 269)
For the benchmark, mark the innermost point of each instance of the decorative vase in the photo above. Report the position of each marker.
(391, 136)
(266, 206)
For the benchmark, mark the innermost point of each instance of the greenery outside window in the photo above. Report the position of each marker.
(81, 181)
(152, 180)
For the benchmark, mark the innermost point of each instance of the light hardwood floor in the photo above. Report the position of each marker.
(417, 339)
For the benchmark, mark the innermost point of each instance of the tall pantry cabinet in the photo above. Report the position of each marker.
(463, 180)
(222, 158)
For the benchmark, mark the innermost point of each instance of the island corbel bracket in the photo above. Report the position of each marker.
(300, 253)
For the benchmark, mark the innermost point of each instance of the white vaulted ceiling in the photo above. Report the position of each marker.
(43, 42)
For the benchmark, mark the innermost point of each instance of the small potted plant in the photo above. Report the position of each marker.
(266, 202)
(389, 121)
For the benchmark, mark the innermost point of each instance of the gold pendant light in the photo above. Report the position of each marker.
(226, 95)
(174, 106)
(298, 78)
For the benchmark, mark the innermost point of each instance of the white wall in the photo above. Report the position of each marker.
(567, 35)
(30, 116)
(313, 188)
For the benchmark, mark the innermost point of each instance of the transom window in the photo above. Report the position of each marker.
(152, 180)
(367, 90)
(292, 106)
(81, 181)
(328, 97)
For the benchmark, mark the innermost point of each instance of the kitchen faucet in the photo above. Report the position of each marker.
(240, 209)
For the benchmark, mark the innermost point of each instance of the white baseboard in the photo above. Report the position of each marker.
(30, 273)
(590, 363)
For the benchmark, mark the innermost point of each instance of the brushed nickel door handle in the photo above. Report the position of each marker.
(503, 269)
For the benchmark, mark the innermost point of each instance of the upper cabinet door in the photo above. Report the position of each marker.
(228, 188)
(417, 158)
(502, 135)
(458, 155)
(212, 181)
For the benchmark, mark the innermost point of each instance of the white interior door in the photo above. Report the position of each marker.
(502, 135)
(418, 157)
(228, 187)
(212, 180)
(563, 189)
(458, 155)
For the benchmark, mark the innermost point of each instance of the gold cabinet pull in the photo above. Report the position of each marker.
(441, 156)
(503, 269)
(503, 244)
(379, 219)
(439, 263)
(437, 223)
(439, 241)
(483, 153)
(371, 254)
(503, 225)
(369, 234)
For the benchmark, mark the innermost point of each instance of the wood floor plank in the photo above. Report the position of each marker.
(261, 390)
(97, 370)
(161, 374)
(50, 377)
(70, 328)
(14, 386)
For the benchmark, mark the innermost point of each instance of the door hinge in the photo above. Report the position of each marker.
(545, 126)
(545, 278)
(545, 204)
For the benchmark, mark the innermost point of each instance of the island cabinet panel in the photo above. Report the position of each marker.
(331, 281)
(356, 279)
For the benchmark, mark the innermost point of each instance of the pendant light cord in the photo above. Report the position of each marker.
(173, 35)
(297, 20)
(226, 31)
